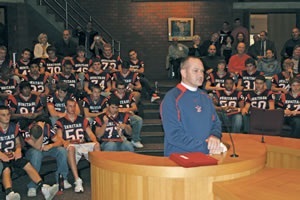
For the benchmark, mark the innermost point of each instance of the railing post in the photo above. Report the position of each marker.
(67, 25)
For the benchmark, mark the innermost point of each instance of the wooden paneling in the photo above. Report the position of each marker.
(125, 175)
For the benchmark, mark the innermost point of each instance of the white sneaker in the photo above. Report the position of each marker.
(154, 98)
(78, 185)
(137, 144)
(49, 191)
(31, 192)
(67, 185)
(13, 196)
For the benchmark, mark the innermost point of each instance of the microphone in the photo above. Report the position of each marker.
(226, 122)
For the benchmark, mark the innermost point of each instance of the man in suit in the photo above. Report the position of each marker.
(261, 46)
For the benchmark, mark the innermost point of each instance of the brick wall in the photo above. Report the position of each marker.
(144, 25)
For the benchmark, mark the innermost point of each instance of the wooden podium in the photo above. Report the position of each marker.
(125, 175)
(131, 176)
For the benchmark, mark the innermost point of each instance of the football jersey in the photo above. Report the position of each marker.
(130, 77)
(287, 101)
(23, 67)
(248, 81)
(39, 84)
(20, 106)
(108, 64)
(140, 64)
(82, 66)
(72, 130)
(8, 138)
(72, 80)
(97, 79)
(111, 133)
(217, 80)
(59, 105)
(126, 100)
(260, 100)
(280, 81)
(48, 134)
(231, 99)
(9, 87)
(52, 66)
(94, 107)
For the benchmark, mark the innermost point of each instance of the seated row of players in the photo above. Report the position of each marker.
(69, 140)
(83, 70)
(233, 101)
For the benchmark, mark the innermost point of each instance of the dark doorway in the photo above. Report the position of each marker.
(3, 26)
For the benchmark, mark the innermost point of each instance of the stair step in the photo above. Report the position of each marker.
(151, 149)
(146, 104)
(152, 134)
(152, 125)
(151, 114)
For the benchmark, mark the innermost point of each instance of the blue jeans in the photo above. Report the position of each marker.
(233, 123)
(117, 146)
(136, 123)
(294, 122)
(35, 156)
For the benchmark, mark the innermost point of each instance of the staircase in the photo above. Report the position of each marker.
(69, 14)
(152, 132)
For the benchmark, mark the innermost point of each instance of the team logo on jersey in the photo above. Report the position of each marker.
(198, 108)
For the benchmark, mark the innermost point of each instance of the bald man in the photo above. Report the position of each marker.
(189, 118)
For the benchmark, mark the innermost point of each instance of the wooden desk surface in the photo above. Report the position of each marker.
(252, 155)
(131, 176)
(267, 184)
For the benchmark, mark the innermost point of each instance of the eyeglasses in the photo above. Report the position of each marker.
(121, 88)
(132, 54)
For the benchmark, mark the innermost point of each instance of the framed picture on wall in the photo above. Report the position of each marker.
(181, 28)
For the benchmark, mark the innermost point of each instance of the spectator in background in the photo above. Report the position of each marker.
(137, 65)
(281, 81)
(229, 104)
(295, 58)
(40, 49)
(260, 48)
(238, 28)
(5, 62)
(227, 48)
(22, 65)
(211, 61)
(260, 97)
(240, 37)
(72, 129)
(288, 47)
(11, 157)
(214, 39)
(86, 38)
(112, 126)
(8, 86)
(81, 64)
(110, 62)
(56, 102)
(42, 141)
(224, 32)
(196, 50)
(215, 80)
(237, 62)
(290, 102)
(97, 46)
(66, 47)
(127, 104)
(269, 66)
(25, 107)
(176, 53)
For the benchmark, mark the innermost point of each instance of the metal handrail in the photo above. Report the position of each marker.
(68, 8)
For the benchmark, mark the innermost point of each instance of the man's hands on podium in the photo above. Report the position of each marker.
(215, 146)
